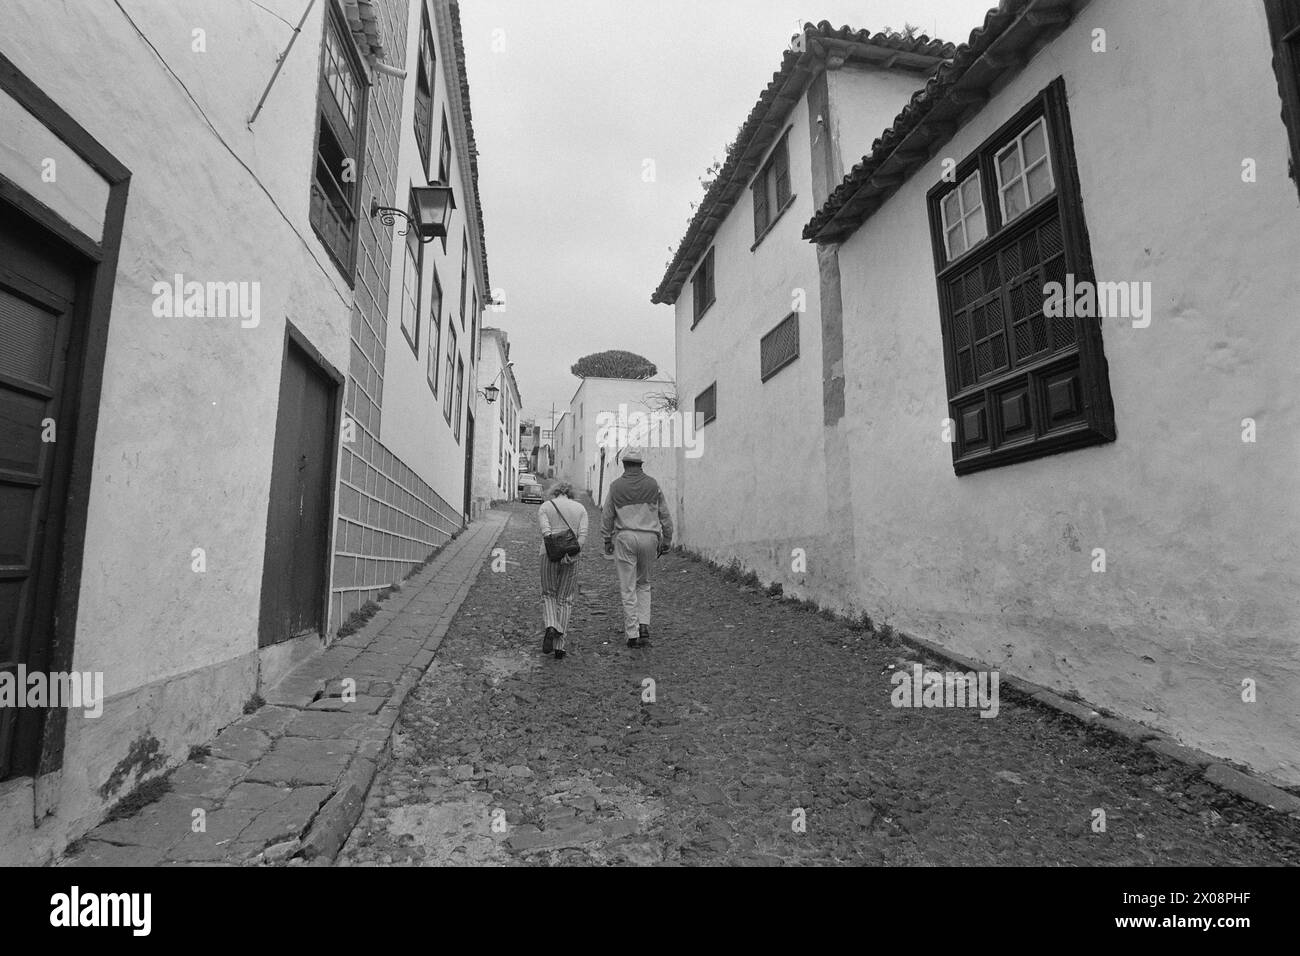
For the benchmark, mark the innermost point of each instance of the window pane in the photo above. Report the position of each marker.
(951, 209)
(1008, 165)
(970, 193)
(1013, 200)
(976, 228)
(1035, 144)
(1040, 182)
(956, 242)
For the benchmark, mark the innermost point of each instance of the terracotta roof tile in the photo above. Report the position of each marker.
(1010, 32)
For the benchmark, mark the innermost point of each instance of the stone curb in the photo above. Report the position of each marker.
(444, 585)
(1213, 769)
(334, 822)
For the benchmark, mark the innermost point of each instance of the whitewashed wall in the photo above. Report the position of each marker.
(188, 411)
(1200, 529)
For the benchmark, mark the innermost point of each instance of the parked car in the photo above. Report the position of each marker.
(525, 480)
(532, 492)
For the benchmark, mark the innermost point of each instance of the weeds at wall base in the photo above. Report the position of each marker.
(734, 573)
(151, 791)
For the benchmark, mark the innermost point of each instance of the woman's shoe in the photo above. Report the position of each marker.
(548, 642)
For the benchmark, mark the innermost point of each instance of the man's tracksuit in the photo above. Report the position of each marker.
(636, 517)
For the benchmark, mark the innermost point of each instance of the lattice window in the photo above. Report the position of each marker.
(1021, 384)
(779, 347)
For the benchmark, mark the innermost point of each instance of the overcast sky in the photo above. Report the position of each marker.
(570, 97)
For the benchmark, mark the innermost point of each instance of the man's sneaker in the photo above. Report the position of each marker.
(644, 639)
(632, 642)
(548, 642)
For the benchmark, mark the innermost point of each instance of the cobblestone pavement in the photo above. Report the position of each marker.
(761, 708)
(283, 785)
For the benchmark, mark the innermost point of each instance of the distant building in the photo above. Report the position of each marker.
(496, 453)
(587, 447)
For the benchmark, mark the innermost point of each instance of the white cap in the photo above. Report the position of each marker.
(633, 455)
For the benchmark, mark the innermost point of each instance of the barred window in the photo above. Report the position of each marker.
(779, 347)
(706, 405)
(1020, 384)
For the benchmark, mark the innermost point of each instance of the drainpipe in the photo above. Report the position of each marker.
(379, 66)
(279, 63)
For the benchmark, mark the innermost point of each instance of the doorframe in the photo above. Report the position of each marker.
(88, 375)
(295, 335)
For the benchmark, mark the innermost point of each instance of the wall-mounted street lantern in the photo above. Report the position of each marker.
(490, 392)
(433, 206)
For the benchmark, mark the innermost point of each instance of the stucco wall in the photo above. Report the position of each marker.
(1200, 529)
(740, 498)
(188, 412)
(419, 434)
(864, 100)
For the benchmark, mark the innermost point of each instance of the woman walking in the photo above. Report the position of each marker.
(558, 516)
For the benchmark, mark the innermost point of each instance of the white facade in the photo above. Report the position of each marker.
(167, 604)
(1194, 614)
(738, 497)
(584, 431)
(495, 451)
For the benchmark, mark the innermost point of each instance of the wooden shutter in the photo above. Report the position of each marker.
(781, 165)
(760, 204)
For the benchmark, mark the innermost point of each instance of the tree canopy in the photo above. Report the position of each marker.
(614, 364)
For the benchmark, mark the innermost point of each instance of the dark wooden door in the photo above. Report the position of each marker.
(469, 459)
(39, 286)
(294, 577)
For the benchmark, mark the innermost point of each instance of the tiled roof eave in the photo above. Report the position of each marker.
(766, 119)
(1010, 34)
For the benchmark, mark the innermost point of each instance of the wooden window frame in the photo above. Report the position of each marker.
(464, 273)
(778, 161)
(964, 216)
(450, 369)
(435, 335)
(444, 153)
(712, 391)
(1022, 176)
(413, 247)
(1022, 396)
(426, 71)
(1284, 36)
(703, 291)
(460, 395)
(351, 142)
(765, 374)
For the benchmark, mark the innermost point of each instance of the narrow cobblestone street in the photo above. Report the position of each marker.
(761, 710)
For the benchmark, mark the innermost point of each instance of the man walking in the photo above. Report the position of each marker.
(637, 528)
